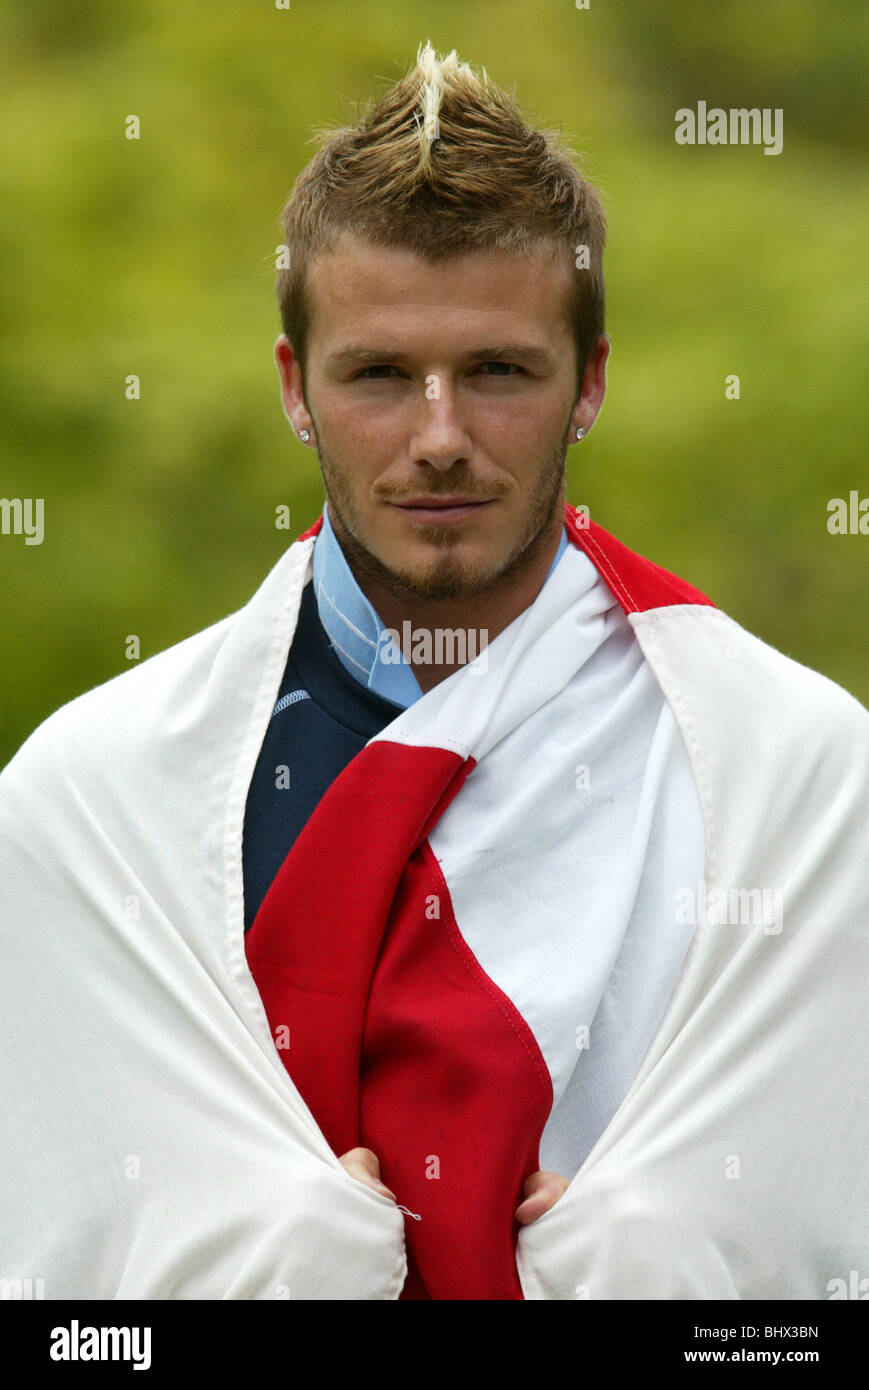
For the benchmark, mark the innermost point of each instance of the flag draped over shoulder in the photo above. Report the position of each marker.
(174, 1097)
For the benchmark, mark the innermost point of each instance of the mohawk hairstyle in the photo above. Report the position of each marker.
(440, 164)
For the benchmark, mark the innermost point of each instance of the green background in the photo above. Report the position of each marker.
(156, 257)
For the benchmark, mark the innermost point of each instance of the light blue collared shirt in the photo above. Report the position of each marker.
(354, 629)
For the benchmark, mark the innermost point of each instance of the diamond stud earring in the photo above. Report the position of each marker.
(580, 434)
(305, 435)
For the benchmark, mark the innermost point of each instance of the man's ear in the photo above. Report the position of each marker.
(292, 391)
(593, 388)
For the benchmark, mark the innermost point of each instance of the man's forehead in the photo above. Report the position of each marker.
(359, 277)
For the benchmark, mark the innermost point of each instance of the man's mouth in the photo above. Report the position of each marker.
(443, 509)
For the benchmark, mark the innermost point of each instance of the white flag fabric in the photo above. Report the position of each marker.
(154, 1144)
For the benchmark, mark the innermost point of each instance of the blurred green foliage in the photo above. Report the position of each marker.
(156, 257)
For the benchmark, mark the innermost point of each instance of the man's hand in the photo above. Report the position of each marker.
(365, 1165)
(541, 1191)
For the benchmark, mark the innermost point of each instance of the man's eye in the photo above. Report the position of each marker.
(381, 367)
(511, 367)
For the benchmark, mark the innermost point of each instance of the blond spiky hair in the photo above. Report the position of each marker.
(443, 163)
(434, 75)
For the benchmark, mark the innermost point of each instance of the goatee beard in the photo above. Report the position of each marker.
(447, 579)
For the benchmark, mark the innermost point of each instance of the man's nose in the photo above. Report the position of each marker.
(440, 439)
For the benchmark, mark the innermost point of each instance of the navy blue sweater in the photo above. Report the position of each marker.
(322, 719)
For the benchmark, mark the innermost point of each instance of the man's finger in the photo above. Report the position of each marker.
(541, 1191)
(364, 1165)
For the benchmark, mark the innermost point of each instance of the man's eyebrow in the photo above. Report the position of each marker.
(500, 352)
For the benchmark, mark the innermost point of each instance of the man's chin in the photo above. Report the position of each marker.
(441, 581)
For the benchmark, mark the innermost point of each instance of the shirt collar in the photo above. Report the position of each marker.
(354, 629)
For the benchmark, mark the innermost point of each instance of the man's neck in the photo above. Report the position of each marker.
(480, 616)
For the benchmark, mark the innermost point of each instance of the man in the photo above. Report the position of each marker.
(475, 854)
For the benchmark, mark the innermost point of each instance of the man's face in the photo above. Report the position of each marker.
(441, 395)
